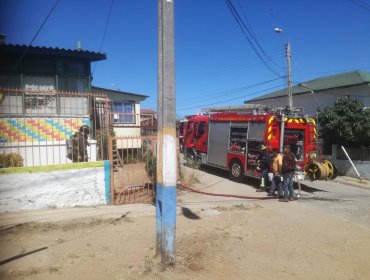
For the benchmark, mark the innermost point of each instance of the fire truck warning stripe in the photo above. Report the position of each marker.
(270, 120)
(269, 137)
(269, 129)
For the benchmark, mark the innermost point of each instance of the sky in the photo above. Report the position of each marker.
(215, 64)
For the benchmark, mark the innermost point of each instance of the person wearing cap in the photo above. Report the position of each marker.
(288, 172)
(264, 160)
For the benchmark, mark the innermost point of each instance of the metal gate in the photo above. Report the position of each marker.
(133, 169)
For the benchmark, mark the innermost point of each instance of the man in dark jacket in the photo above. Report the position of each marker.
(264, 161)
(288, 173)
(83, 143)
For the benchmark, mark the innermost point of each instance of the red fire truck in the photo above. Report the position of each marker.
(229, 138)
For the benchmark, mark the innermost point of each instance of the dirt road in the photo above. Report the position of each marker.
(235, 240)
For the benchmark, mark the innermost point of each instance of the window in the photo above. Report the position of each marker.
(124, 112)
(77, 84)
(201, 129)
(37, 102)
(195, 129)
(71, 67)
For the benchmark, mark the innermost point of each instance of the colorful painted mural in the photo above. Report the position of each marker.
(30, 130)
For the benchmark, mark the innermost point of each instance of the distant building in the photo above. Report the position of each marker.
(326, 90)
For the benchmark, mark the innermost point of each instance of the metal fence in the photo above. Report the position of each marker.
(52, 127)
(133, 172)
(359, 153)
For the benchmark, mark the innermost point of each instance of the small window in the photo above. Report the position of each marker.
(124, 112)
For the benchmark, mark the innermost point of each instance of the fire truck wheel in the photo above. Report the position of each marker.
(236, 171)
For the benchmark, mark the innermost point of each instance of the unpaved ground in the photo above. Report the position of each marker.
(261, 240)
(317, 237)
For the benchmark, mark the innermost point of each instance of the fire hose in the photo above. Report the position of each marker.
(187, 187)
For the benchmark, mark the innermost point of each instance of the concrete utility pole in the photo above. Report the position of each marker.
(166, 150)
(289, 76)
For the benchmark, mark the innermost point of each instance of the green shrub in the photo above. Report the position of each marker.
(11, 160)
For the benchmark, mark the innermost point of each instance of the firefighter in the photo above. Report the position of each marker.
(264, 160)
(82, 143)
(288, 173)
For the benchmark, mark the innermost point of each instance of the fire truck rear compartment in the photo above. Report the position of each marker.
(295, 138)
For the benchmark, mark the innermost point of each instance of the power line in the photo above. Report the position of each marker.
(248, 35)
(233, 91)
(33, 39)
(230, 99)
(361, 4)
(105, 32)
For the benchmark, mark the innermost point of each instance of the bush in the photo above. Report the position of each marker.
(11, 160)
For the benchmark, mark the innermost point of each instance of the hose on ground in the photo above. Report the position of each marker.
(187, 187)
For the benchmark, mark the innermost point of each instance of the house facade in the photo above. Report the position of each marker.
(46, 98)
(125, 116)
(326, 91)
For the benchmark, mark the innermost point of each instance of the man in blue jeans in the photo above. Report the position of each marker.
(288, 173)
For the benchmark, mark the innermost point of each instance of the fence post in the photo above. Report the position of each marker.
(110, 158)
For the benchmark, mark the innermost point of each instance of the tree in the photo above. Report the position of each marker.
(346, 123)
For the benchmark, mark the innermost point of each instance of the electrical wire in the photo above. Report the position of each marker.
(33, 39)
(361, 4)
(105, 32)
(230, 99)
(231, 91)
(249, 35)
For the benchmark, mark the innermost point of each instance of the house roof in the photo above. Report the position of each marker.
(329, 82)
(147, 111)
(107, 91)
(49, 51)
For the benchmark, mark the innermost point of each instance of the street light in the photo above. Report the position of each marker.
(289, 76)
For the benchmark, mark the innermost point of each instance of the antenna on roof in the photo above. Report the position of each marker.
(79, 45)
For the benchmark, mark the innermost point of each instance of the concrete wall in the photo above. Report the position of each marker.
(62, 188)
(345, 168)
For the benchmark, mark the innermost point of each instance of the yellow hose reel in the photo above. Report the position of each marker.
(321, 171)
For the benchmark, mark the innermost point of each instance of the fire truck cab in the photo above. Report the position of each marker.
(229, 138)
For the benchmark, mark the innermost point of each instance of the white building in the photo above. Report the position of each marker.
(326, 91)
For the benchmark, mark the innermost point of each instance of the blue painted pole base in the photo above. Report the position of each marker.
(166, 222)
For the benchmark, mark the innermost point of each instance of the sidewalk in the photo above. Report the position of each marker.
(355, 182)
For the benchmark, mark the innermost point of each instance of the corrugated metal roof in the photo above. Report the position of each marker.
(330, 82)
(61, 52)
(107, 91)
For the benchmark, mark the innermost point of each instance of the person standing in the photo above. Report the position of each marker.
(83, 143)
(264, 160)
(287, 170)
(277, 164)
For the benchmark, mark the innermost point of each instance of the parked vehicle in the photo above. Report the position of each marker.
(229, 138)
